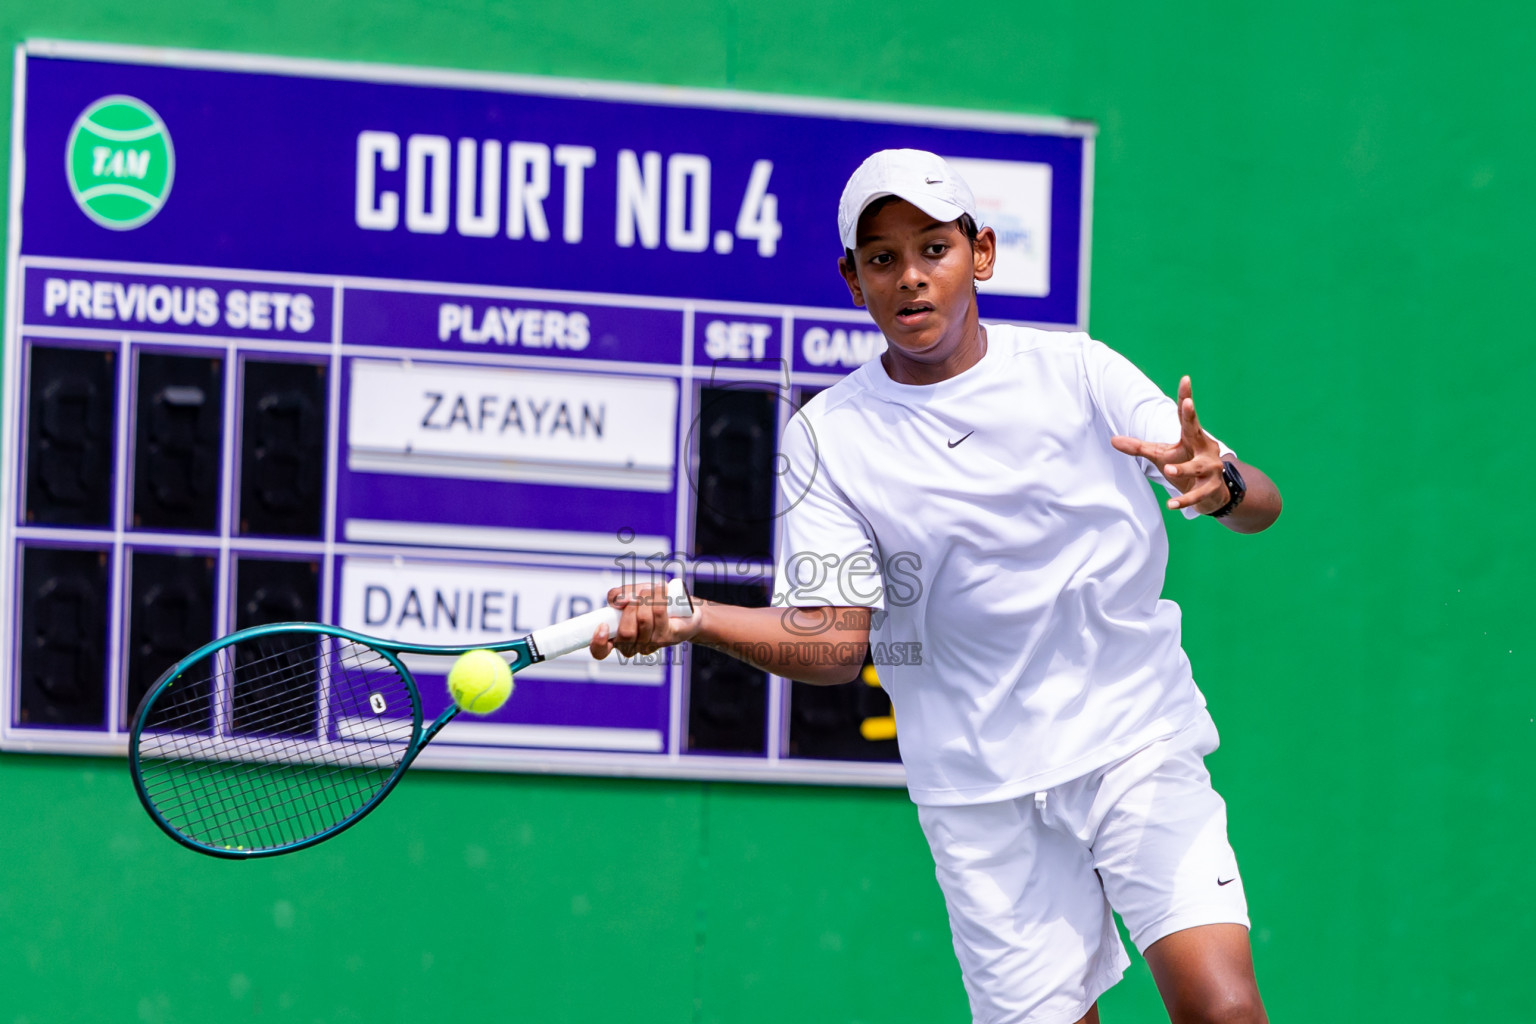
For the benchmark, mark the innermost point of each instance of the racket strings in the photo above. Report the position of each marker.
(272, 741)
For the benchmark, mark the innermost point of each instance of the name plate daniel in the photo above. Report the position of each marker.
(455, 604)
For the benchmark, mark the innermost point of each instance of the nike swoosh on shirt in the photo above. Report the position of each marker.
(1227, 882)
(953, 443)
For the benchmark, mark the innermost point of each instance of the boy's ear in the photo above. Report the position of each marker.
(851, 279)
(984, 253)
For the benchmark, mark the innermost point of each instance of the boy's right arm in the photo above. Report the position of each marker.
(823, 646)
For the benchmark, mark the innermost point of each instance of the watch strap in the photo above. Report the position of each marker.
(1235, 488)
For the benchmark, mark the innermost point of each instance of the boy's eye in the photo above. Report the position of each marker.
(937, 249)
(880, 258)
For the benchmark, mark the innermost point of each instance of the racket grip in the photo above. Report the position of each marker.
(562, 638)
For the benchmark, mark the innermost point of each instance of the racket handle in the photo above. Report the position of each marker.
(562, 638)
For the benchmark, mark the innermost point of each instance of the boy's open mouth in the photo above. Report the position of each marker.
(913, 311)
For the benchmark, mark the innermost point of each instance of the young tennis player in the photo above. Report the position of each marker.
(983, 490)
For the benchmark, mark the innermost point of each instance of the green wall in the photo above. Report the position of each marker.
(1320, 210)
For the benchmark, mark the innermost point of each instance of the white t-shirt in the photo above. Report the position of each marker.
(990, 521)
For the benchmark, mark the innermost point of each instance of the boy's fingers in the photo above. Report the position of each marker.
(644, 625)
(1145, 449)
(600, 646)
(651, 629)
(1195, 496)
(627, 635)
(1189, 422)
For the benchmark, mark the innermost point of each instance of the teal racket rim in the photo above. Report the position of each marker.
(245, 792)
(223, 733)
(232, 758)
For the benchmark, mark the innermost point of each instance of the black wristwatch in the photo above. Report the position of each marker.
(1235, 487)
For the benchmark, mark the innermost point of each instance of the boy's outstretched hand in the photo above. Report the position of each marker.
(1192, 463)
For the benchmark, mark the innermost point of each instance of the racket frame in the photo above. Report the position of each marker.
(523, 649)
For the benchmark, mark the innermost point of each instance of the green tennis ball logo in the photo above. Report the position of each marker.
(120, 162)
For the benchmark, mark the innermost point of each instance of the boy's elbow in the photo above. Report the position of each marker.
(832, 664)
(837, 676)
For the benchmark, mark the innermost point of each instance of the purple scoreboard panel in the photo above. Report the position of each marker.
(442, 357)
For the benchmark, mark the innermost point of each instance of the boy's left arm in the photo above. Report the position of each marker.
(1193, 465)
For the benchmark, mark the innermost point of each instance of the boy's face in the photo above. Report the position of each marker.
(915, 276)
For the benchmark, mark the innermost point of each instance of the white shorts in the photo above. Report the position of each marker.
(1030, 882)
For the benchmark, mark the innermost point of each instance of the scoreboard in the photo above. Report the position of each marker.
(443, 356)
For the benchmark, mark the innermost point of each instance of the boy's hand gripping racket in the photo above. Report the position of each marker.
(278, 737)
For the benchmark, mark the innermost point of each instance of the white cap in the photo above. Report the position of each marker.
(921, 178)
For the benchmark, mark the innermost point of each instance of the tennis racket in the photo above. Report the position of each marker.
(279, 737)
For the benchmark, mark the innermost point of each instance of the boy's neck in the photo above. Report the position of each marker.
(905, 370)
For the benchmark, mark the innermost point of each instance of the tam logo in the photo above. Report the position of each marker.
(119, 162)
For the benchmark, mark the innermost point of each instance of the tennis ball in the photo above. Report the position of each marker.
(480, 682)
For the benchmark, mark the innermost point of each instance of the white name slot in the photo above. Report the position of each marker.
(479, 423)
(453, 604)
